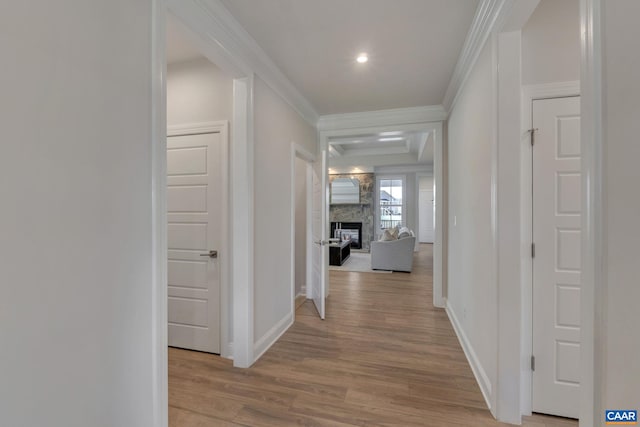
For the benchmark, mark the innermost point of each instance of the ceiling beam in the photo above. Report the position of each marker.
(388, 118)
(336, 150)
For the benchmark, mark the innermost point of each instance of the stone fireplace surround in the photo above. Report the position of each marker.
(358, 212)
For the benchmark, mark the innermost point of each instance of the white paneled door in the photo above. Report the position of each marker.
(319, 255)
(425, 210)
(557, 257)
(194, 203)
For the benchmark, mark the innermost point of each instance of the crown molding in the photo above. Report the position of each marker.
(489, 14)
(224, 41)
(419, 168)
(398, 116)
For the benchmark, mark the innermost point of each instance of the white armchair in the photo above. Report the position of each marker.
(394, 255)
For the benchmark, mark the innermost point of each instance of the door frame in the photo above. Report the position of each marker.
(224, 258)
(532, 93)
(418, 176)
(298, 152)
(216, 43)
(431, 121)
(512, 400)
(158, 148)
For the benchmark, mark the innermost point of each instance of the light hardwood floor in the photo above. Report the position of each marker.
(383, 357)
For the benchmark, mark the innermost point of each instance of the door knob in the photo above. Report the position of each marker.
(211, 254)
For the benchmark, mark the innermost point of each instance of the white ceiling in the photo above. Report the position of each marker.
(413, 47)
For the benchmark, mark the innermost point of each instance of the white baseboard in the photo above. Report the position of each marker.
(272, 335)
(228, 352)
(301, 298)
(478, 371)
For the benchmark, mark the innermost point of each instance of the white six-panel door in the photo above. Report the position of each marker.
(557, 261)
(194, 204)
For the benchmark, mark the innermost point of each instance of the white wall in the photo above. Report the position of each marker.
(301, 225)
(198, 91)
(471, 281)
(425, 183)
(621, 109)
(75, 183)
(276, 126)
(551, 43)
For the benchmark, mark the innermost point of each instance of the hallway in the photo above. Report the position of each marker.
(383, 357)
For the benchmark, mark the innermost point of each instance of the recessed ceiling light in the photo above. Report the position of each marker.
(393, 133)
(396, 138)
(362, 58)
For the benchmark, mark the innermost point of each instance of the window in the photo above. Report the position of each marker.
(390, 199)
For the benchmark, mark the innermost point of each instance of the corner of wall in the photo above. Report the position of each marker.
(478, 371)
(267, 340)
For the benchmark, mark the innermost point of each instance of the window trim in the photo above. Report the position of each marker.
(377, 216)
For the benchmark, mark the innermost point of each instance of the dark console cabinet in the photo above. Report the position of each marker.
(339, 252)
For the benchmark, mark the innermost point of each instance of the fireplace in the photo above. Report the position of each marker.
(353, 229)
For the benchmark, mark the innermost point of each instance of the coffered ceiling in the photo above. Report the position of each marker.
(382, 148)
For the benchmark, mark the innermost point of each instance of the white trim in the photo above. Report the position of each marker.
(439, 233)
(508, 219)
(418, 242)
(397, 116)
(229, 45)
(493, 244)
(301, 153)
(242, 225)
(326, 134)
(272, 335)
(309, 249)
(478, 371)
(422, 169)
(301, 297)
(488, 13)
(225, 257)
(230, 349)
(292, 233)
(339, 170)
(594, 303)
(159, 292)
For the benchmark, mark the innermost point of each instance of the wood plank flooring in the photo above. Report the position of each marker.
(383, 357)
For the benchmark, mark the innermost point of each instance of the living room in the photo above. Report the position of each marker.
(381, 200)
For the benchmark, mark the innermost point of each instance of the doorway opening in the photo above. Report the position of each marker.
(387, 164)
(199, 107)
(301, 234)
